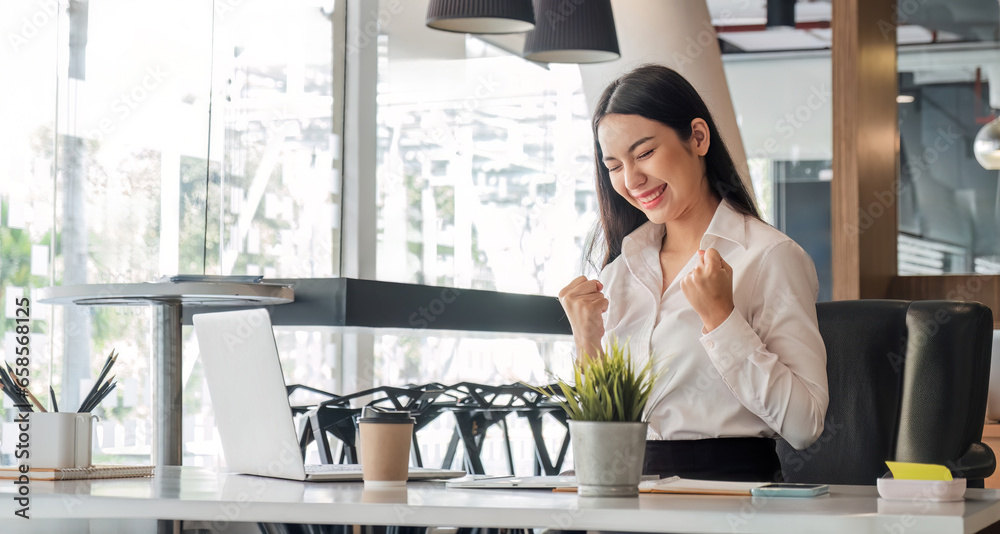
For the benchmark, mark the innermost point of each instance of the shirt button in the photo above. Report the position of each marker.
(710, 344)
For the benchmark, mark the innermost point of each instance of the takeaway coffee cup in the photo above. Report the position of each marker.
(58, 440)
(385, 446)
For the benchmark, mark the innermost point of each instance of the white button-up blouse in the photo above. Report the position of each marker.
(760, 373)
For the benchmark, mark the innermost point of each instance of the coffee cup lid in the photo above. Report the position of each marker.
(374, 414)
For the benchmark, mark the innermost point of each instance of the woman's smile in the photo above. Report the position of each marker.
(650, 199)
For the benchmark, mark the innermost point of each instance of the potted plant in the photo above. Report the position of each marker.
(605, 405)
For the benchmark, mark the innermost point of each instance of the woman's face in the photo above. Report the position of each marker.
(652, 168)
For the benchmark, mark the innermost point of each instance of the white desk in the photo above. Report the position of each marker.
(192, 493)
(167, 299)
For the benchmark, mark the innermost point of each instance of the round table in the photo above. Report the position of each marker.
(168, 299)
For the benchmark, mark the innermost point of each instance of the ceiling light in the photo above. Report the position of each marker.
(572, 32)
(905, 99)
(987, 145)
(481, 16)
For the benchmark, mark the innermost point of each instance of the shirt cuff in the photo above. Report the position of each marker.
(731, 343)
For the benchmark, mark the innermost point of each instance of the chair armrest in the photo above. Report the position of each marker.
(978, 462)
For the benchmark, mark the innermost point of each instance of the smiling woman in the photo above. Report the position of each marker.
(659, 101)
(692, 277)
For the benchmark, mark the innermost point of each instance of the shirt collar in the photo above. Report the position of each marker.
(727, 223)
(649, 233)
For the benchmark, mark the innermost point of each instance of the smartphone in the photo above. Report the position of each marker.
(790, 490)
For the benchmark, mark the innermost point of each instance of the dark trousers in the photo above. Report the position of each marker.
(739, 459)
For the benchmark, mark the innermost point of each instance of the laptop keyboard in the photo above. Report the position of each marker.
(332, 468)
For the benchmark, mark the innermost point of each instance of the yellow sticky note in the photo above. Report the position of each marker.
(913, 471)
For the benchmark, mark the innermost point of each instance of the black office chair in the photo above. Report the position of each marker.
(908, 382)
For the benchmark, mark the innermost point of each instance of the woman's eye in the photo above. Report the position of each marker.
(615, 168)
(645, 154)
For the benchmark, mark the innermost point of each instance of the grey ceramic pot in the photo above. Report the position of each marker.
(608, 457)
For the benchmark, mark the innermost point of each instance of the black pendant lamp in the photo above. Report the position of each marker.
(481, 16)
(582, 31)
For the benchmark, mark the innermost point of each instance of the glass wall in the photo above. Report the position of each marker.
(27, 194)
(144, 139)
(485, 180)
(949, 205)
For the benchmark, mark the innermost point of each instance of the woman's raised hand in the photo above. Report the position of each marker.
(584, 303)
(709, 289)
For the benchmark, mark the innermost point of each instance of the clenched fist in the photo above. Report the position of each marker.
(709, 289)
(584, 303)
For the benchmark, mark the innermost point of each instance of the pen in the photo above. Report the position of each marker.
(106, 393)
(52, 398)
(95, 389)
(112, 358)
(99, 396)
(34, 400)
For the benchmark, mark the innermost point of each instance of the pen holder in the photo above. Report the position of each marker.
(56, 440)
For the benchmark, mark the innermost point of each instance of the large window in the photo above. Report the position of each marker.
(143, 139)
(27, 117)
(485, 180)
(485, 168)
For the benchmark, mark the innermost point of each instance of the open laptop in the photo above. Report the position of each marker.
(251, 404)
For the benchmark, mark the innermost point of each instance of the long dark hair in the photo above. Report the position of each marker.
(661, 94)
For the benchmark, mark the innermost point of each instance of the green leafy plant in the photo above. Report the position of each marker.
(609, 388)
